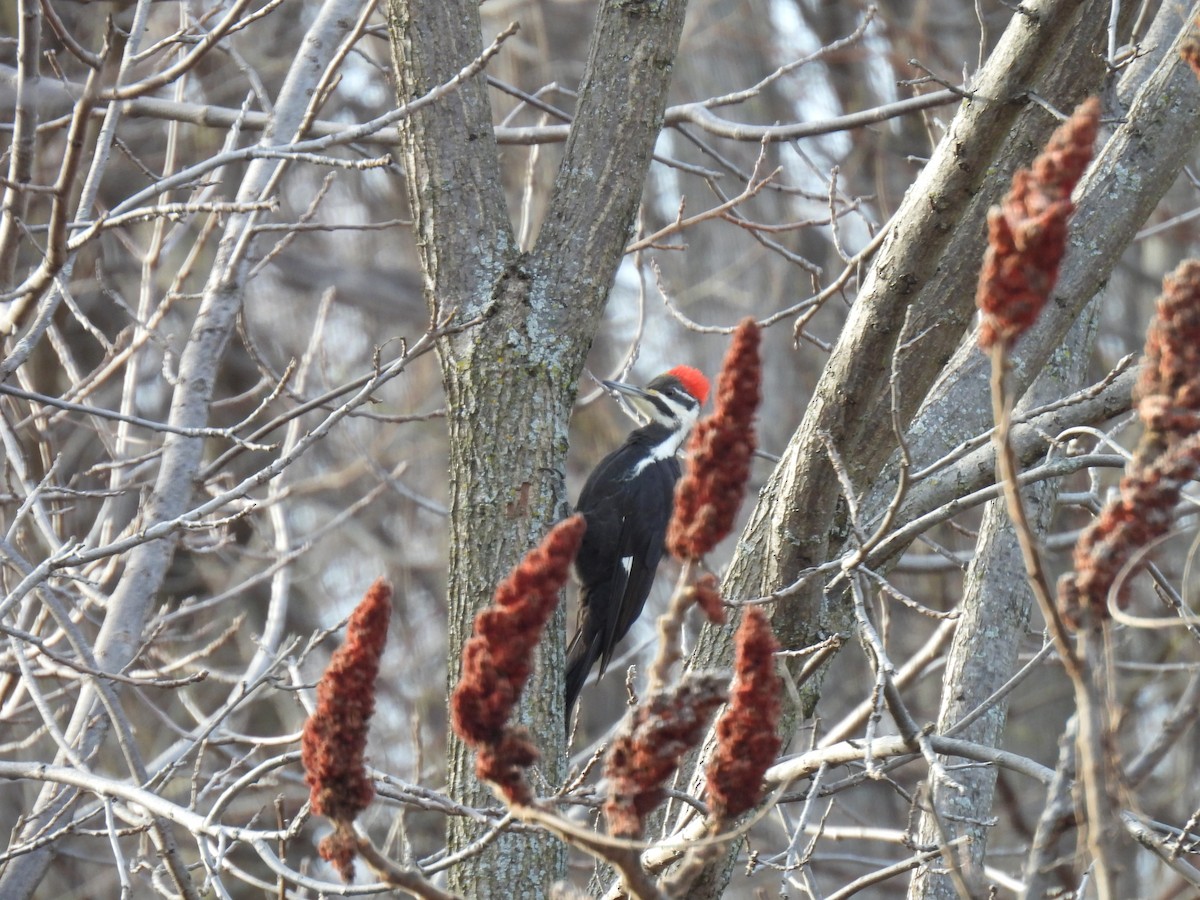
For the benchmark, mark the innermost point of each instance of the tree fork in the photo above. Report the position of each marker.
(511, 382)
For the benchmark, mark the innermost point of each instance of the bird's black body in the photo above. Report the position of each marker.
(627, 519)
(627, 502)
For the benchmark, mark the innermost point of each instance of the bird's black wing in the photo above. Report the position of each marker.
(620, 553)
(642, 541)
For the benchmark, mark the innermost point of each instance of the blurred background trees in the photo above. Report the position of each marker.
(223, 416)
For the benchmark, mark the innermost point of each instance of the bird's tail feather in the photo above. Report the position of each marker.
(580, 656)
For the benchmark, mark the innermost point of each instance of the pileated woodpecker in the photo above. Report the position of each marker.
(627, 502)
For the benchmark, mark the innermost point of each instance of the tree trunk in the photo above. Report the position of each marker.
(993, 617)
(918, 272)
(511, 373)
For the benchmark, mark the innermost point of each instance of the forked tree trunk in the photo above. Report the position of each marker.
(511, 374)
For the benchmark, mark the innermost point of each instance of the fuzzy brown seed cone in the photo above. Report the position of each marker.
(1142, 513)
(748, 731)
(1168, 394)
(498, 658)
(1189, 51)
(706, 594)
(1027, 232)
(650, 743)
(334, 740)
(721, 447)
(1168, 390)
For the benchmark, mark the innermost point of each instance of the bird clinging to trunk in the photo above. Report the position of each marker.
(627, 501)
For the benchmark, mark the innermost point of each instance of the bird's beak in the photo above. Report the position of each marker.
(627, 389)
(639, 397)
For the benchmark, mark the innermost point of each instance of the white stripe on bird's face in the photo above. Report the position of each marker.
(664, 401)
(673, 407)
(667, 403)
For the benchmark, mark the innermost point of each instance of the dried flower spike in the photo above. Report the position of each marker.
(1168, 388)
(748, 731)
(502, 764)
(708, 496)
(334, 740)
(649, 745)
(706, 594)
(1142, 513)
(339, 849)
(1190, 49)
(498, 659)
(1027, 232)
(1167, 458)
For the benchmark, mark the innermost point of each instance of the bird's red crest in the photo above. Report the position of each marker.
(693, 381)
